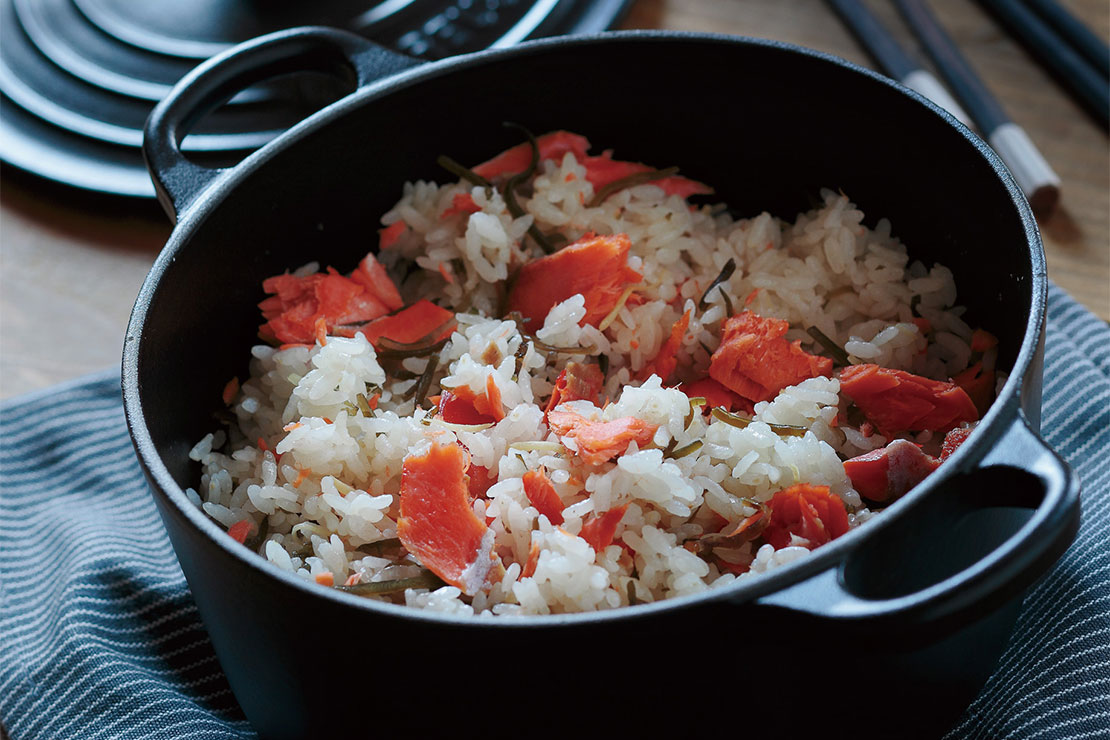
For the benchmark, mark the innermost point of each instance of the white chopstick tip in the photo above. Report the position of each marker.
(926, 84)
(1033, 174)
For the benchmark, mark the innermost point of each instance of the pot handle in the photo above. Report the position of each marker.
(177, 180)
(915, 574)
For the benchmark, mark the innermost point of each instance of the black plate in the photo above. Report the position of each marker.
(198, 29)
(32, 145)
(79, 77)
(33, 83)
(66, 37)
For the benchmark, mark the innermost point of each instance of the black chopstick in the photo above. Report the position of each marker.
(1033, 174)
(892, 59)
(1082, 79)
(1079, 36)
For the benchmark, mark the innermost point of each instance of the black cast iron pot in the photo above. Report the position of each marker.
(897, 622)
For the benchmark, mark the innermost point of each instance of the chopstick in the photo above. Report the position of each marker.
(1033, 174)
(1081, 78)
(1081, 38)
(894, 61)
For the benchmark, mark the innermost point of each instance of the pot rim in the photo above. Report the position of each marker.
(1004, 411)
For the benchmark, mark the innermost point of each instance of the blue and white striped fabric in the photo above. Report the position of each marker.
(99, 637)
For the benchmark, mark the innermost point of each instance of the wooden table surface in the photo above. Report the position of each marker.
(71, 263)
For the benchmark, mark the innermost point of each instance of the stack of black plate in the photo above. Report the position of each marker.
(79, 77)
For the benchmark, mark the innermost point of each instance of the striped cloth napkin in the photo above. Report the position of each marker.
(99, 637)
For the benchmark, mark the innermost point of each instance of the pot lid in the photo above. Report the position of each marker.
(79, 77)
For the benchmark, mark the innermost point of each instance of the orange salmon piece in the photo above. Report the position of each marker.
(371, 275)
(294, 326)
(291, 310)
(982, 340)
(533, 561)
(231, 390)
(492, 402)
(437, 524)
(595, 266)
(240, 529)
(603, 169)
(298, 303)
(812, 512)
(600, 441)
(888, 472)
(756, 362)
(390, 234)
(458, 406)
(462, 406)
(577, 382)
(553, 146)
(411, 324)
(978, 385)
(666, 361)
(286, 291)
(478, 481)
(341, 300)
(895, 401)
(461, 203)
(600, 529)
(955, 437)
(542, 495)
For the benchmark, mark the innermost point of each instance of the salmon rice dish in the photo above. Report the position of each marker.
(562, 382)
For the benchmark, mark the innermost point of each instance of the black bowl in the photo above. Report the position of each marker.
(901, 618)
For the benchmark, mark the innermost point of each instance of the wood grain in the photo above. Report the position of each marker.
(71, 264)
(70, 268)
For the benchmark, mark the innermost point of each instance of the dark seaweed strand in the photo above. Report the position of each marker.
(725, 274)
(787, 430)
(427, 579)
(728, 301)
(463, 173)
(364, 405)
(520, 353)
(519, 320)
(603, 365)
(686, 422)
(685, 450)
(840, 357)
(636, 178)
(432, 413)
(425, 381)
(508, 192)
(542, 347)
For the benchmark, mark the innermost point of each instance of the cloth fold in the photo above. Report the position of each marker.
(99, 637)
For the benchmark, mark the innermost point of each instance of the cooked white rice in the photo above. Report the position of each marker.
(336, 487)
